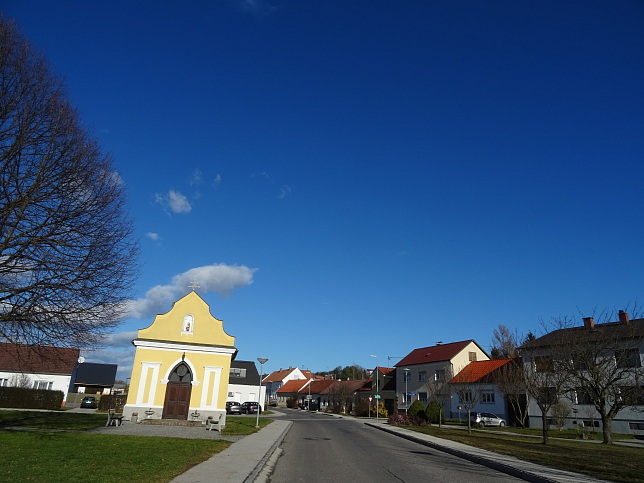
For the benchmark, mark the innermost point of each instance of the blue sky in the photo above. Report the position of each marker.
(348, 178)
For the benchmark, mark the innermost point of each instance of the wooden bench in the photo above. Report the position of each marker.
(214, 423)
(114, 418)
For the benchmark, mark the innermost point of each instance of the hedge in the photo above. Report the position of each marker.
(26, 398)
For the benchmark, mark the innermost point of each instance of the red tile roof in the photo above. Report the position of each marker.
(475, 371)
(436, 353)
(280, 375)
(37, 359)
(293, 386)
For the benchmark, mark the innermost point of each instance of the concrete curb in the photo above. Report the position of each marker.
(269, 453)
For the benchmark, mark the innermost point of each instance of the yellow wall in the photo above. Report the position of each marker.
(190, 333)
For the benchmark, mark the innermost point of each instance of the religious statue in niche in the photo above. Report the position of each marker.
(188, 323)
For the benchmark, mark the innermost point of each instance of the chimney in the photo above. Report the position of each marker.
(623, 317)
(589, 322)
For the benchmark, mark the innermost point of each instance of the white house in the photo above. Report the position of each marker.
(39, 367)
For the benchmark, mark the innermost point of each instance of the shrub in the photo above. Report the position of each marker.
(361, 408)
(398, 419)
(417, 409)
(382, 411)
(115, 401)
(434, 413)
(291, 402)
(25, 398)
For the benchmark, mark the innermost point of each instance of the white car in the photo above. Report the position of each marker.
(487, 419)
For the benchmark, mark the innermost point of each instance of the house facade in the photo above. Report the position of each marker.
(244, 384)
(427, 369)
(574, 367)
(93, 378)
(382, 387)
(181, 364)
(477, 380)
(38, 367)
(275, 380)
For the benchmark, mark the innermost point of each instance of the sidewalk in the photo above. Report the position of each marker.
(241, 461)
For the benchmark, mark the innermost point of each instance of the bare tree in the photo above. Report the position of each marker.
(545, 382)
(469, 393)
(438, 388)
(504, 343)
(604, 363)
(67, 258)
(510, 381)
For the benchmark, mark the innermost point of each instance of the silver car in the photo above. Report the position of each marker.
(487, 419)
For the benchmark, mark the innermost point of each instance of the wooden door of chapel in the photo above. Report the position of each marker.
(177, 393)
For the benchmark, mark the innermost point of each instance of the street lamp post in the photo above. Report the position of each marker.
(262, 361)
(406, 371)
(377, 388)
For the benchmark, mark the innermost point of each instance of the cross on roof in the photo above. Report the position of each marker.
(193, 285)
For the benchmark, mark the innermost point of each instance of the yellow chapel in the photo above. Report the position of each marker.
(181, 365)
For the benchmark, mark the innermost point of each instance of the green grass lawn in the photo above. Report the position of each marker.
(60, 451)
(78, 457)
(240, 425)
(608, 462)
(57, 420)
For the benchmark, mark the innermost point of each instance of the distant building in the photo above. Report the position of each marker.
(93, 378)
(244, 383)
(39, 367)
(421, 368)
(275, 380)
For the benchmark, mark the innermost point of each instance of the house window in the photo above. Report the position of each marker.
(472, 356)
(423, 397)
(628, 358)
(547, 395)
(4, 382)
(636, 426)
(543, 364)
(422, 376)
(580, 362)
(43, 385)
(582, 397)
(466, 397)
(406, 376)
(440, 375)
(632, 395)
(487, 397)
(237, 372)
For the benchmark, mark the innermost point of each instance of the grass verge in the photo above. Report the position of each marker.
(240, 425)
(77, 457)
(608, 462)
(52, 420)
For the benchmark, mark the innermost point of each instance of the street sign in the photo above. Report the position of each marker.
(308, 396)
(377, 396)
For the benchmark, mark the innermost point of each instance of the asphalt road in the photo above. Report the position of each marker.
(319, 447)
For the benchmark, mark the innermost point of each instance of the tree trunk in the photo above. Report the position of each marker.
(607, 429)
(544, 426)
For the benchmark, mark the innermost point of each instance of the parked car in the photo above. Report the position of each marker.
(487, 419)
(250, 407)
(89, 402)
(233, 407)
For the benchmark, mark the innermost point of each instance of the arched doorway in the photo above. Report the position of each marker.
(177, 393)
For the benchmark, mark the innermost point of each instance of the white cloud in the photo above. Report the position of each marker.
(285, 190)
(153, 236)
(174, 201)
(196, 178)
(217, 180)
(178, 202)
(218, 278)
